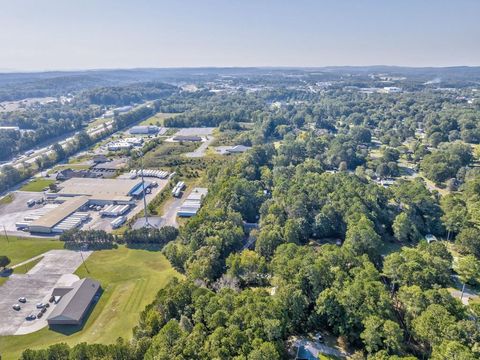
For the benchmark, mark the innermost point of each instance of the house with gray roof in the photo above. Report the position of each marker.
(74, 302)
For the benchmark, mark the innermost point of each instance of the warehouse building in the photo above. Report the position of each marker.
(103, 191)
(47, 222)
(74, 302)
(192, 203)
(144, 130)
(76, 195)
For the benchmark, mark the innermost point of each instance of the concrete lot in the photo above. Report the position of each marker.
(55, 269)
(195, 131)
(17, 209)
(200, 151)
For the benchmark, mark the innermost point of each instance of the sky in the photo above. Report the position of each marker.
(94, 34)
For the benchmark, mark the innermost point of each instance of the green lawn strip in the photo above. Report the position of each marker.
(20, 249)
(130, 280)
(37, 185)
(7, 199)
(158, 119)
(23, 269)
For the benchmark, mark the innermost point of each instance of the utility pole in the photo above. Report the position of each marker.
(6, 235)
(144, 192)
(83, 261)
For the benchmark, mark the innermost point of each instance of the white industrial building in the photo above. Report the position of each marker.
(75, 196)
(118, 146)
(144, 130)
(192, 203)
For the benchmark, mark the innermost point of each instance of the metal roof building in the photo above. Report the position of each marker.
(100, 190)
(74, 302)
(46, 223)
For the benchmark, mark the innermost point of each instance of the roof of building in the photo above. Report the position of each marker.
(75, 302)
(145, 128)
(238, 149)
(98, 188)
(59, 213)
(187, 138)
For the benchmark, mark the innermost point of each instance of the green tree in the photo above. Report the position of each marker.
(452, 350)
(434, 325)
(264, 351)
(4, 261)
(404, 229)
(361, 237)
(468, 241)
(380, 334)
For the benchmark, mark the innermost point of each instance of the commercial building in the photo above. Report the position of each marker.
(102, 191)
(190, 138)
(144, 130)
(118, 146)
(9, 128)
(66, 174)
(47, 222)
(192, 203)
(74, 302)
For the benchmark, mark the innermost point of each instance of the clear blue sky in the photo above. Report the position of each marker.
(81, 34)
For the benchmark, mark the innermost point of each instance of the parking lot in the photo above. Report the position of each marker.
(17, 209)
(55, 269)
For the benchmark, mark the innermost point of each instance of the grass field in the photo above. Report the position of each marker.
(71, 166)
(37, 185)
(7, 199)
(158, 119)
(130, 279)
(21, 249)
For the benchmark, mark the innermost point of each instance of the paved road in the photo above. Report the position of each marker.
(468, 294)
(200, 151)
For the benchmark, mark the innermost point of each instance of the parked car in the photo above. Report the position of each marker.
(52, 299)
(16, 307)
(31, 317)
(43, 310)
(39, 315)
(47, 305)
(22, 299)
(40, 305)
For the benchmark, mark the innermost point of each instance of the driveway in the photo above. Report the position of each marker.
(55, 269)
(200, 151)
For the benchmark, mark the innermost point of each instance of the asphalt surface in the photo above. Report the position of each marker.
(16, 211)
(36, 286)
(200, 151)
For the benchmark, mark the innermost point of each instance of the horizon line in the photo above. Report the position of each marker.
(29, 71)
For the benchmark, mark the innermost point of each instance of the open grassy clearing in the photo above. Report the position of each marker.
(7, 199)
(20, 249)
(37, 185)
(158, 119)
(98, 121)
(130, 280)
(27, 266)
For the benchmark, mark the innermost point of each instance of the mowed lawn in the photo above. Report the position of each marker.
(158, 118)
(37, 185)
(130, 280)
(20, 249)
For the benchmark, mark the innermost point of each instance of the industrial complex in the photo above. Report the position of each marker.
(68, 207)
